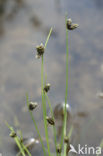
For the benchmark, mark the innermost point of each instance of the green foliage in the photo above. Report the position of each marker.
(61, 148)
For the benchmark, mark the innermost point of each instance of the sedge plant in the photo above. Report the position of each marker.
(62, 148)
(23, 149)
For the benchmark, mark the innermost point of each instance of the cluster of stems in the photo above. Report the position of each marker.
(60, 148)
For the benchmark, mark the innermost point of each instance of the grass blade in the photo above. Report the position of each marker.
(66, 90)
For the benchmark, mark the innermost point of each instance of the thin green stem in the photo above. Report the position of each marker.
(19, 145)
(54, 129)
(16, 140)
(62, 136)
(49, 103)
(36, 127)
(48, 38)
(43, 96)
(70, 132)
(44, 107)
(66, 90)
(23, 146)
(26, 150)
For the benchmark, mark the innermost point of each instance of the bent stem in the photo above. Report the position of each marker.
(43, 96)
(48, 37)
(36, 127)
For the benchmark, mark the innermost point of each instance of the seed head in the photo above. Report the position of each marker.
(70, 25)
(66, 139)
(68, 148)
(69, 21)
(58, 149)
(12, 134)
(50, 120)
(47, 87)
(73, 26)
(32, 105)
(40, 50)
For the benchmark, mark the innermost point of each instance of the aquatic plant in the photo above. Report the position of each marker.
(23, 149)
(62, 148)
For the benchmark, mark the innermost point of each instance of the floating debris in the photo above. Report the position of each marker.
(100, 95)
(32, 105)
(36, 21)
(50, 120)
(40, 50)
(59, 111)
(82, 114)
(30, 142)
(47, 87)
(71, 26)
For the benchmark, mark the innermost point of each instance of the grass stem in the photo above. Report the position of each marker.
(66, 90)
(43, 96)
(51, 111)
(48, 37)
(44, 107)
(36, 127)
(16, 138)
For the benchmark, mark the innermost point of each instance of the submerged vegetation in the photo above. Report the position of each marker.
(63, 146)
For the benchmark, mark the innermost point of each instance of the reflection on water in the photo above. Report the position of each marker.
(26, 24)
(99, 4)
(8, 11)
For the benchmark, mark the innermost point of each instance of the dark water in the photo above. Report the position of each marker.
(23, 25)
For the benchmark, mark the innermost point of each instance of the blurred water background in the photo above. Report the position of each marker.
(25, 24)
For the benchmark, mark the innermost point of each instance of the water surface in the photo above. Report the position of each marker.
(24, 24)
